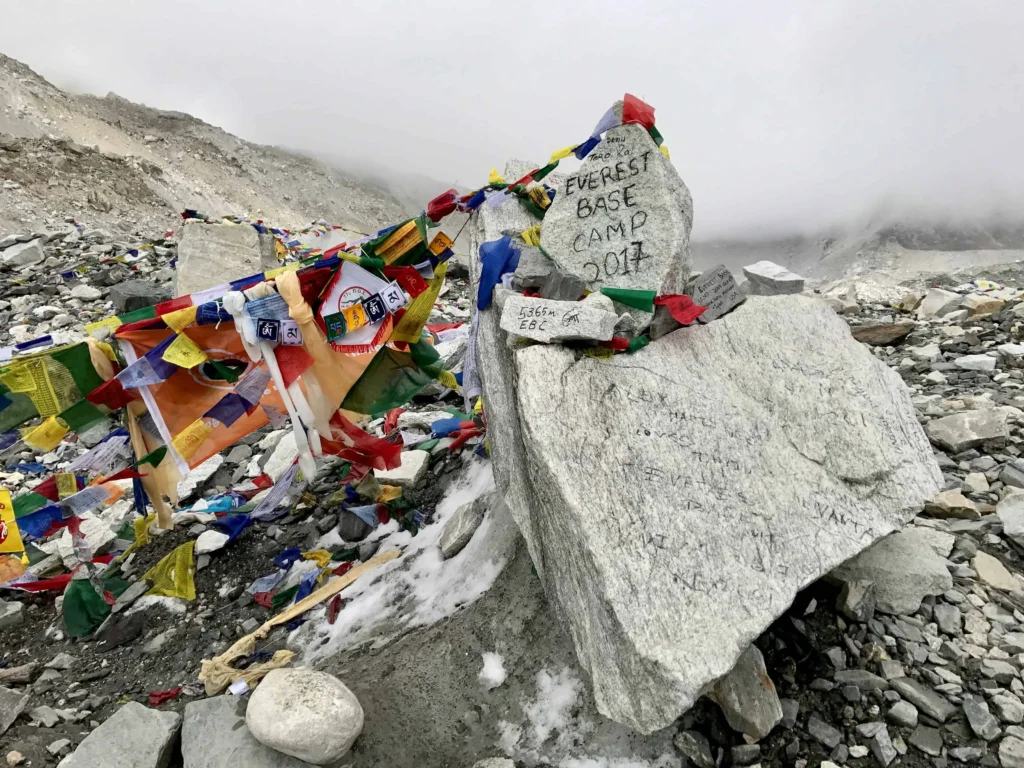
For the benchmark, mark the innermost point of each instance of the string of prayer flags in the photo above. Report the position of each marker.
(642, 300)
(681, 307)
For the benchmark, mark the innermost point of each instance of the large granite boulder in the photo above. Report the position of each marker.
(675, 500)
(623, 219)
(212, 254)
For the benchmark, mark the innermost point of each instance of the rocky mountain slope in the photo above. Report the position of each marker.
(119, 164)
(901, 249)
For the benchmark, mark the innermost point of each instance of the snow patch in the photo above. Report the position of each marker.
(419, 587)
(170, 604)
(493, 674)
(554, 729)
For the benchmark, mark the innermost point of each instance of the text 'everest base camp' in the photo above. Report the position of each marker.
(324, 497)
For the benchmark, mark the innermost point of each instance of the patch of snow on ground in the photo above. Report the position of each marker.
(418, 588)
(554, 729)
(493, 674)
(171, 604)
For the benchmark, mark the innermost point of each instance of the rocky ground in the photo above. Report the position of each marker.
(66, 154)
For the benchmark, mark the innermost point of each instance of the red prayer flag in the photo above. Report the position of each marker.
(442, 205)
(636, 111)
(411, 281)
(293, 362)
(156, 698)
(112, 395)
(681, 307)
(173, 305)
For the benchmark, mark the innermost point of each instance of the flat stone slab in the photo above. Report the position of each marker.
(711, 476)
(550, 321)
(623, 220)
(717, 290)
(212, 254)
(770, 279)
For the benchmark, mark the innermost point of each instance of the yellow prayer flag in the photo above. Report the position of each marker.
(187, 442)
(531, 236)
(355, 317)
(495, 177)
(558, 154)
(400, 242)
(440, 244)
(47, 435)
(184, 353)
(281, 270)
(180, 319)
(66, 484)
(410, 327)
(10, 536)
(447, 379)
(664, 151)
(112, 323)
(389, 493)
(319, 556)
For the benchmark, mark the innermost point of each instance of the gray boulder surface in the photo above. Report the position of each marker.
(212, 254)
(970, 429)
(12, 704)
(748, 698)
(23, 254)
(624, 218)
(133, 737)
(904, 568)
(214, 735)
(612, 468)
(131, 295)
(462, 525)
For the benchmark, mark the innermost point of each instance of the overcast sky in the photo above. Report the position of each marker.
(778, 113)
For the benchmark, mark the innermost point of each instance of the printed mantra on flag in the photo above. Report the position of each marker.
(612, 217)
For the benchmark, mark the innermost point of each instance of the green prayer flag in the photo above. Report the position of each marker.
(283, 598)
(391, 379)
(154, 458)
(27, 503)
(146, 313)
(642, 300)
(656, 135)
(637, 344)
(84, 609)
(82, 415)
(428, 445)
(228, 373)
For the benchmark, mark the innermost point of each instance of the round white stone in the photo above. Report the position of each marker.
(306, 714)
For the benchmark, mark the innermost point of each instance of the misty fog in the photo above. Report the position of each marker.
(782, 117)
